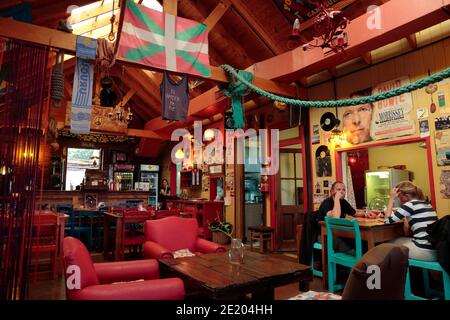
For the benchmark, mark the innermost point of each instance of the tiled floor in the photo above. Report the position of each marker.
(48, 289)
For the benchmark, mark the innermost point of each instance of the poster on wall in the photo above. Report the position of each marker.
(442, 140)
(445, 184)
(323, 162)
(392, 117)
(424, 128)
(316, 134)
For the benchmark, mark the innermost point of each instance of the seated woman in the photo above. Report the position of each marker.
(336, 206)
(419, 214)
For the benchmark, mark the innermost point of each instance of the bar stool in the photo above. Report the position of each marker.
(262, 234)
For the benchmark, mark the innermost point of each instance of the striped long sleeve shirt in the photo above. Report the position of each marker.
(419, 215)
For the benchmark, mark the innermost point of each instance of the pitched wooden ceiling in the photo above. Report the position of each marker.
(249, 31)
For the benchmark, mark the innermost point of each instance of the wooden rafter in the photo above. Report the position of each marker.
(170, 7)
(221, 37)
(96, 24)
(97, 11)
(66, 41)
(412, 41)
(255, 26)
(217, 14)
(367, 57)
(338, 6)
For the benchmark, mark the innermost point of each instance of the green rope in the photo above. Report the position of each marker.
(236, 90)
(346, 102)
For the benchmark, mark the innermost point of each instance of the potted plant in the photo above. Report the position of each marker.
(221, 231)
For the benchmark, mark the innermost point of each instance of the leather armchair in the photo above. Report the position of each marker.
(164, 236)
(127, 280)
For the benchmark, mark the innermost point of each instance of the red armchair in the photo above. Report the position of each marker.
(114, 280)
(164, 236)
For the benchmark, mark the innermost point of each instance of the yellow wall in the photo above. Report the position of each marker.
(416, 64)
(392, 155)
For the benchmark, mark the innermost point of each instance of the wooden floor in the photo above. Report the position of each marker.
(45, 288)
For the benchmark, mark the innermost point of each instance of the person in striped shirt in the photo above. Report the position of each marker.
(419, 214)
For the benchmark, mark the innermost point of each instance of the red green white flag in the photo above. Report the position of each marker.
(164, 41)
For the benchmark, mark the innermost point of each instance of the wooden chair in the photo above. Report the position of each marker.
(262, 234)
(133, 229)
(45, 240)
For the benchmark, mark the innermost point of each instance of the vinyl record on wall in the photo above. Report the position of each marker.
(323, 162)
(327, 121)
(322, 152)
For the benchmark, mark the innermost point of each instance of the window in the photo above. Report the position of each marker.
(78, 160)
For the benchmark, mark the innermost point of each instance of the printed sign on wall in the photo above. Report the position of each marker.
(392, 117)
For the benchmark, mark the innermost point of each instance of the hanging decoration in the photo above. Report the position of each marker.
(108, 96)
(346, 102)
(235, 90)
(174, 98)
(164, 41)
(328, 29)
(57, 82)
(86, 50)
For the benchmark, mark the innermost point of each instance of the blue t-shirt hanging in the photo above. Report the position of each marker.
(174, 98)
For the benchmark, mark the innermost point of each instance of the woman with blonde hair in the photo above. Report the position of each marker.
(418, 213)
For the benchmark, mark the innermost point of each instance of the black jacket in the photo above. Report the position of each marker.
(308, 237)
(439, 237)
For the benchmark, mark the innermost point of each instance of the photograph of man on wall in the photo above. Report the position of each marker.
(356, 119)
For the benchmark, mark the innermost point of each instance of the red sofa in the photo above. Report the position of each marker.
(164, 236)
(114, 280)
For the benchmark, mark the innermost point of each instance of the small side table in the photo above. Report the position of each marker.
(261, 234)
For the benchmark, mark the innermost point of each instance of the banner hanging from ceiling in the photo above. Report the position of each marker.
(164, 41)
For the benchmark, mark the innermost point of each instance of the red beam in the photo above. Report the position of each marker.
(399, 19)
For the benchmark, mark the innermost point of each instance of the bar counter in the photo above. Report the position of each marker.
(53, 197)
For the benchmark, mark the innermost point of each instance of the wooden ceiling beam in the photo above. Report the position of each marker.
(96, 24)
(153, 102)
(54, 11)
(217, 14)
(66, 41)
(221, 38)
(143, 133)
(367, 57)
(412, 41)
(97, 11)
(255, 26)
(338, 6)
(170, 7)
(415, 15)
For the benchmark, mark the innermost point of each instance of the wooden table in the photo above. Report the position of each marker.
(372, 230)
(212, 276)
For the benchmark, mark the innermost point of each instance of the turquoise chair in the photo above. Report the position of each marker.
(426, 266)
(316, 246)
(346, 259)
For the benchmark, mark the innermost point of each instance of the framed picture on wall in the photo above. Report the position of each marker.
(90, 200)
(215, 170)
(119, 156)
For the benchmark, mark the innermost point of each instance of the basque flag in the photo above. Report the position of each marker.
(164, 41)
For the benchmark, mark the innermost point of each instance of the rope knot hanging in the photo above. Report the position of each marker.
(57, 82)
(236, 89)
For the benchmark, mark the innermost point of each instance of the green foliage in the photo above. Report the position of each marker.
(221, 226)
